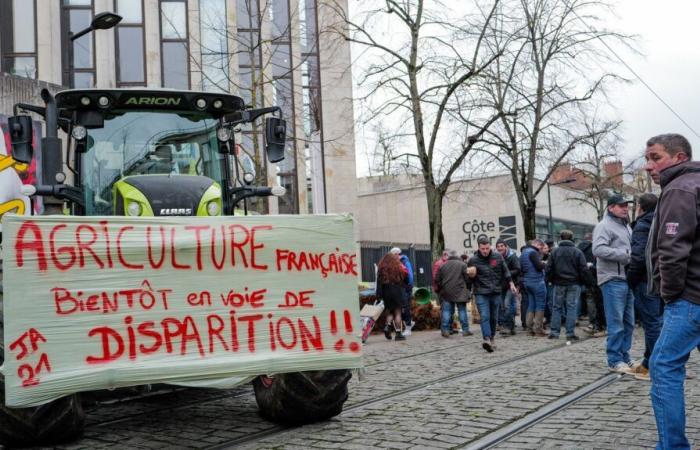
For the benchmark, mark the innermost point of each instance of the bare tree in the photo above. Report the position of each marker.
(423, 73)
(596, 166)
(552, 69)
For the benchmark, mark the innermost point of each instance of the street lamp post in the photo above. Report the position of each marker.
(102, 21)
(550, 225)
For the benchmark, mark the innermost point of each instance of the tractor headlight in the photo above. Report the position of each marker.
(134, 209)
(213, 208)
(79, 132)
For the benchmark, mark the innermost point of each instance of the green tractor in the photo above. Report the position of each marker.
(153, 153)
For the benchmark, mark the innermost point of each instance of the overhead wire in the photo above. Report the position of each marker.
(678, 116)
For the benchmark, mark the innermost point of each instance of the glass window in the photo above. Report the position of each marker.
(248, 47)
(281, 63)
(214, 44)
(84, 80)
(173, 16)
(23, 30)
(130, 10)
(77, 2)
(82, 47)
(279, 17)
(131, 58)
(18, 37)
(175, 73)
(283, 98)
(247, 14)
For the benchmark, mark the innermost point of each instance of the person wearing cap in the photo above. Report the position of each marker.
(649, 307)
(673, 262)
(406, 306)
(612, 248)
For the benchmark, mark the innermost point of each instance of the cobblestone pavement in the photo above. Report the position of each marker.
(469, 404)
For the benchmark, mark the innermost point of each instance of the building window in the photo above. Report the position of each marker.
(311, 107)
(173, 44)
(18, 37)
(283, 89)
(131, 61)
(214, 45)
(78, 71)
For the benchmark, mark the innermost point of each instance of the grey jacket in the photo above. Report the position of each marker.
(612, 248)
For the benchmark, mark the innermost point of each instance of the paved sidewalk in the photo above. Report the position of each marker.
(452, 414)
(479, 394)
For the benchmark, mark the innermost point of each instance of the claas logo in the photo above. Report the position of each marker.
(154, 101)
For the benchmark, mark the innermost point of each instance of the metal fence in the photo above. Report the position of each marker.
(419, 255)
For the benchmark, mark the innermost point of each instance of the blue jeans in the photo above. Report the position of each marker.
(569, 296)
(679, 336)
(507, 308)
(488, 310)
(536, 293)
(448, 312)
(619, 313)
(650, 309)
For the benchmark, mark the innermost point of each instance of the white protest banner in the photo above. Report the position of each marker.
(103, 302)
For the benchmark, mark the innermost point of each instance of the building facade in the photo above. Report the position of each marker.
(268, 52)
(394, 210)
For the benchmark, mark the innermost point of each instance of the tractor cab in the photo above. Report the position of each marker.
(149, 152)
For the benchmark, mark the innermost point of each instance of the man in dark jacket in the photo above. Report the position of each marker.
(489, 278)
(508, 298)
(451, 282)
(535, 289)
(566, 270)
(592, 294)
(649, 306)
(673, 253)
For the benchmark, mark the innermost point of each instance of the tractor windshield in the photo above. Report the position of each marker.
(147, 143)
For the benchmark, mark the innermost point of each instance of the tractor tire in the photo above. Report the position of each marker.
(54, 422)
(299, 398)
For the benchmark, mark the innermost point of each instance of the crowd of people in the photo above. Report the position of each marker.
(647, 271)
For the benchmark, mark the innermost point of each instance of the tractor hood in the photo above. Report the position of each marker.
(167, 195)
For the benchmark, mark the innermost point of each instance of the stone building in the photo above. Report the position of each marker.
(394, 210)
(266, 51)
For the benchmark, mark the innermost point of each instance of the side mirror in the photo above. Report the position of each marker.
(275, 137)
(21, 138)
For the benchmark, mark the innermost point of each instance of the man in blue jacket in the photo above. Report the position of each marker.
(649, 306)
(534, 287)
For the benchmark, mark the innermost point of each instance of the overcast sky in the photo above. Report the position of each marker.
(669, 38)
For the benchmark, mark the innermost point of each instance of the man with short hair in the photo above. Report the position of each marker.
(535, 290)
(612, 248)
(490, 276)
(566, 270)
(452, 285)
(648, 306)
(508, 298)
(406, 305)
(673, 262)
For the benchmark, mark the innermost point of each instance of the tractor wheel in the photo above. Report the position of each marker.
(302, 397)
(57, 421)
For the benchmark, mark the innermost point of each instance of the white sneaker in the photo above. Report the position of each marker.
(407, 329)
(621, 367)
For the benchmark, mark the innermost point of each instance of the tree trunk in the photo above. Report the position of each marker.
(437, 238)
(529, 220)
